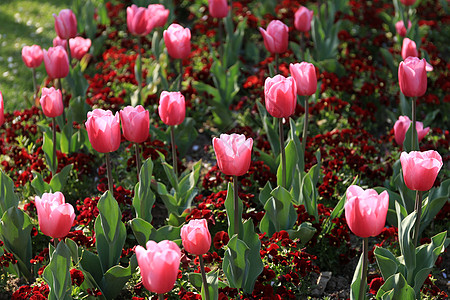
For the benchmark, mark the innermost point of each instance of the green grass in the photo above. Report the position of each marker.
(24, 23)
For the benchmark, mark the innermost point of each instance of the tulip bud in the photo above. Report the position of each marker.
(218, 8)
(172, 110)
(195, 237)
(400, 28)
(137, 20)
(178, 41)
(158, 16)
(234, 153)
(32, 56)
(280, 96)
(65, 24)
(56, 62)
(412, 77)
(401, 126)
(135, 123)
(276, 37)
(420, 169)
(51, 102)
(303, 18)
(55, 216)
(79, 47)
(103, 130)
(305, 78)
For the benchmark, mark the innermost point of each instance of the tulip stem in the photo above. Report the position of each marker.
(139, 71)
(302, 47)
(363, 283)
(205, 282)
(181, 75)
(174, 151)
(55, 163)
(55, 242)
(236, 205)
(35, 91)
(283, 154)
(414, 130)
(108, 170)
(160, 296)
(220, 41)
(418, 209)
(68, 52)
(305, 125)
(58, 81)
(138, 160)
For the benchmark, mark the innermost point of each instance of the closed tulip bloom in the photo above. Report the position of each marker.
(51, 102)
(412, 76)
(103, 130)
(401, 29)
(137, 20)
(171, 109)
(32, 56)
(55, 216)
(57, 41)
(401, 126)
(158, 15)
(79, 47)
(65, 24)
(276, 37)
(234, 153)
(408, 2)
(420, 169)
(56, 62)
(305, 78)
(409, 48)
(178, 41)
(365, 211)
(218, 8)
(195, 237)
(135, 123)
(303, 18)
(280, 96)
(2, 110)
(159, 265)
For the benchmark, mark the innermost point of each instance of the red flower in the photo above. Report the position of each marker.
(77, 277)
(220, 239)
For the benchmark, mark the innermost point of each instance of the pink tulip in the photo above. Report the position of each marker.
(65, 24)
(401, 126)
(420, 169)
(159, 265)
(79, 47)
(103, 130)
(409, 48)
(196, 237)
(218, 8)
(55, 216)
(138, 19)
(280, 96)
(400, 28)
(135, 123)
(2, 110)
(56, 62)
(305, 78)
(365, 211)
(171, 109)
(412, 76)
(276, 37)
(51, 102)
(32, 56)
(158, 16)
(303, 18)
(234, 153)
(178, 41)
(408, 2)
(57, 41)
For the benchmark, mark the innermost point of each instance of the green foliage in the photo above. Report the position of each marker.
(233, 212)
(8, 198)
(143, 196)
(356, 281)
(235, 262)
(57, 274)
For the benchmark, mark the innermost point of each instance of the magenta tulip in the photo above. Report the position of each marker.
(2, 110)
(408, 2)
(32, 56)
(400, 28)
(234, 153)
(178, 41)
(138, 19)
(409, 48)
(159, 265)
(303, 18)
(305, 78)
(65, 24)
(412, 76)
(420, 169)
(51, 102)
(55, 216)
(365, 211)
(56, 62)
(195, 237)
(103, 130)
(218, 8)
(276, 37)
(171, 109)
(280, 96)
(135, 123)
(79, 47)
(401, 126)
(158, 16)
(57, 41)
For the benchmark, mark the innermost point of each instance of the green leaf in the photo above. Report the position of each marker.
(8, 198)
(270, 129)
(396, 287)
(74, 250)
(235, 262)
(304, 232)
(291, 162)
(356, 281)
(39, 185)
(168, 169)
(66, 134)
(437, 197)
(255, 267)
(47, 147)
(141, 229)
(57, 274)
(185, 135)
(232, 212)
(167, 232)
(59, 180)
(407, 143)
(169, 201)
(386, 261)
(90, 263)
(143, 196)
(212, 279)
(116, 277)
(406, 242)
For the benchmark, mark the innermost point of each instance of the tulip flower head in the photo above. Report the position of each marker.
(178, 41)
(401, 29)
(135, 123)
(195, 237)
(305, 78)
(158, 16)
(234, 153)
(159, 265)
(57, 41)
(409, 48)
(32, 56)
(172, 108)
(365, 211)
(55, 216)
(276, 37)
(79, 47)
(51, 102)
(401, 126)
(138, 19)
(2, 110)
(408, 2)
(66, 24)
(280, 96)
(303, 18)
(420, 169)
(103, 130)
(218, 8)
(412, 77)
(56, 62)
